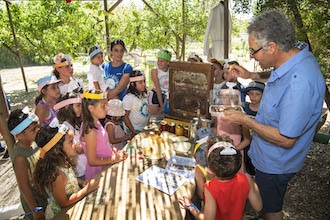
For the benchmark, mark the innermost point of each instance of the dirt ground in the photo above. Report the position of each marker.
(308, 192)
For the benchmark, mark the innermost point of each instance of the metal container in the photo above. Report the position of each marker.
(193, 127)
(197, 123)
(206, 122)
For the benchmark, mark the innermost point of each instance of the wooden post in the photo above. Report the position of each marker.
(107, 31)
(9, 139)
(106, 20)
(17, 53)
(226, 29)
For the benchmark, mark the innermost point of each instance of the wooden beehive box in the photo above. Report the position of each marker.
(189, 86)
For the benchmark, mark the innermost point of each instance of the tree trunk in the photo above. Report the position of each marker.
(299, 22)
(18, 54)
(9, 139)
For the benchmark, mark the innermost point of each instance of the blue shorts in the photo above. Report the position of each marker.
(153, 100)
(272, 189)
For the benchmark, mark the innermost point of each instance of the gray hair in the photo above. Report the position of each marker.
(273, 26)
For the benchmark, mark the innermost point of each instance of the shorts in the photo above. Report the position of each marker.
(153, 100)
(272, 189)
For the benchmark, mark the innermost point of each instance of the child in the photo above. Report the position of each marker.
(226, 193)
(69, 111)
(160, 87)
(94, 138)
(49, 94)
(231, 97)
(201, 173)
(219, 80)
(54, 173)
(135, 104)
(194, 58)
(254, 90)
(223, 75)
(117, 136)
(63, 69)
(24, 126)
(94, 75)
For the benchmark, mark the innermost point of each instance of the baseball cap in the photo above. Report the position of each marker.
(47, 80)
(255, 85)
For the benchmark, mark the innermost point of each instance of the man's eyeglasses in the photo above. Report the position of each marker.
(253, 52)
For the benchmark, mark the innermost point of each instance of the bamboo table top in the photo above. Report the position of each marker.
(121, 197)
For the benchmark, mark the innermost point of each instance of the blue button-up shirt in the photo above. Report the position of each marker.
(292, 102)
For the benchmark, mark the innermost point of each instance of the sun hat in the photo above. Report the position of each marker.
(115, 108)
(58, 60)
(255, 85)
(219, 62)
(194, 57)
(47, 80)
(164, 54)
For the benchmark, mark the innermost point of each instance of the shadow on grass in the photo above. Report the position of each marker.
(21, 98)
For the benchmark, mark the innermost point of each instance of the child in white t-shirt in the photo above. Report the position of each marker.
(135, 103)
(94, 75)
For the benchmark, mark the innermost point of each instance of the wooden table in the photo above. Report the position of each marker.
(122, 197)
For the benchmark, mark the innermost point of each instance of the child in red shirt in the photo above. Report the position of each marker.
(225, 195)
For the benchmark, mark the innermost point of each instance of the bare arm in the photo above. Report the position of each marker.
(187, 204)
(90, 140)
(128, 122)
(42, 112)
(60, 195)
(113, 93)
(96, 85)
(267, 132)
(154, 77)
(200, 180)
(240, 71)
(254, 195)
(246, 139)
(210, 205)
(20, 169)
(111, 133)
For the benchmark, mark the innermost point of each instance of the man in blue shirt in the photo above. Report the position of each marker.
(289, 111)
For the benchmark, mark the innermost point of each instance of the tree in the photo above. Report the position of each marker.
(311, 19)
(45, 28)
(162, 24)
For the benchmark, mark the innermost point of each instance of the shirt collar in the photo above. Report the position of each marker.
(285, 67)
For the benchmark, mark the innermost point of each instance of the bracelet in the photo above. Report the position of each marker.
(192, 205)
